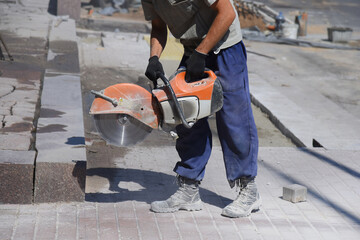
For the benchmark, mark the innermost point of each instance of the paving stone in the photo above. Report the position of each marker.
(19, 166)
(16, 141)
(61, 91)
(294, 193)
(57, 182)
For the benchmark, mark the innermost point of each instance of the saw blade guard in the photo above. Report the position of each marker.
(129, 99)
(124, 114)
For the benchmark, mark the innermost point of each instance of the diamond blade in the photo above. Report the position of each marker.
(121, 129)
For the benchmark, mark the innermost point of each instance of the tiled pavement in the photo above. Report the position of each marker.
(118, 207)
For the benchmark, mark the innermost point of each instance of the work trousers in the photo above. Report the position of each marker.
(235, 123)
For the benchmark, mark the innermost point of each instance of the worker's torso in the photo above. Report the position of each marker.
(190, 20)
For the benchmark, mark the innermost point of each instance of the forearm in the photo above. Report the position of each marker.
(158, 37)
(224, 18)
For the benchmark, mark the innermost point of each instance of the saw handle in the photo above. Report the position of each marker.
(103, 96)
(174, 98)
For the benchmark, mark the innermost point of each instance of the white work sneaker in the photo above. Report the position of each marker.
(246, 202)
(187, 197)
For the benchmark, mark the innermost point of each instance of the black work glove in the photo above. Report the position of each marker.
(154, 69)
(195, 66)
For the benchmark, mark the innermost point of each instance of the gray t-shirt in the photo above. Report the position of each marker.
(190, 20)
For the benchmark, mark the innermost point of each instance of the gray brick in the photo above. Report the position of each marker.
(167, 227)
(294, 193)
(87, 222)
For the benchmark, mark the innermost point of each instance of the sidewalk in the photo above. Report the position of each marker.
(118, 208)
(122, 182)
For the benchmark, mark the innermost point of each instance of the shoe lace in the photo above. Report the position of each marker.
(182, 190)
(246, 195)
(179, 193)
(243, 196)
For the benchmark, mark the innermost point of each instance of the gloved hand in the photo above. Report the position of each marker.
(153, 69)
(195, 66)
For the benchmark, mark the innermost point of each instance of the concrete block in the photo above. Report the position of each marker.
(60, 182)
(295, 193)
(16, 176)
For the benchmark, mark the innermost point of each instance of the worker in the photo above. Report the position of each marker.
(210, 33)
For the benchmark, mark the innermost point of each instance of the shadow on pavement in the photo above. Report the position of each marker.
(143, 186)
(331, 162)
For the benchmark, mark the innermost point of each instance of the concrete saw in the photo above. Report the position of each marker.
(126, 113)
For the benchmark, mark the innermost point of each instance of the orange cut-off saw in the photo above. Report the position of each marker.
(126, 113)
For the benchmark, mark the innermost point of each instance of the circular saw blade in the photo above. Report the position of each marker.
(121, 129)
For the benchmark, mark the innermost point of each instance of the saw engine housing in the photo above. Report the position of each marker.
(196, 99)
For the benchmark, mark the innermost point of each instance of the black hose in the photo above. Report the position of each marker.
(174, 98)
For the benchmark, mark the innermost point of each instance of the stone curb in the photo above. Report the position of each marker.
(61, 162)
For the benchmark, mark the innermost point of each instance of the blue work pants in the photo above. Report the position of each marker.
(235, 123)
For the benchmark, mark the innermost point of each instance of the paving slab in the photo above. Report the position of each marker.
(63, 50)
(61, 161)
(63, 57)
(60, 182)
(17, 165)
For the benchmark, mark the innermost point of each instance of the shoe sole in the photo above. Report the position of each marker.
(197, 206)
(254, 208)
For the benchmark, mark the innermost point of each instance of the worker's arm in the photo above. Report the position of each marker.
(158, 37)
(225, 16)
(195, 65)
(157, 44)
